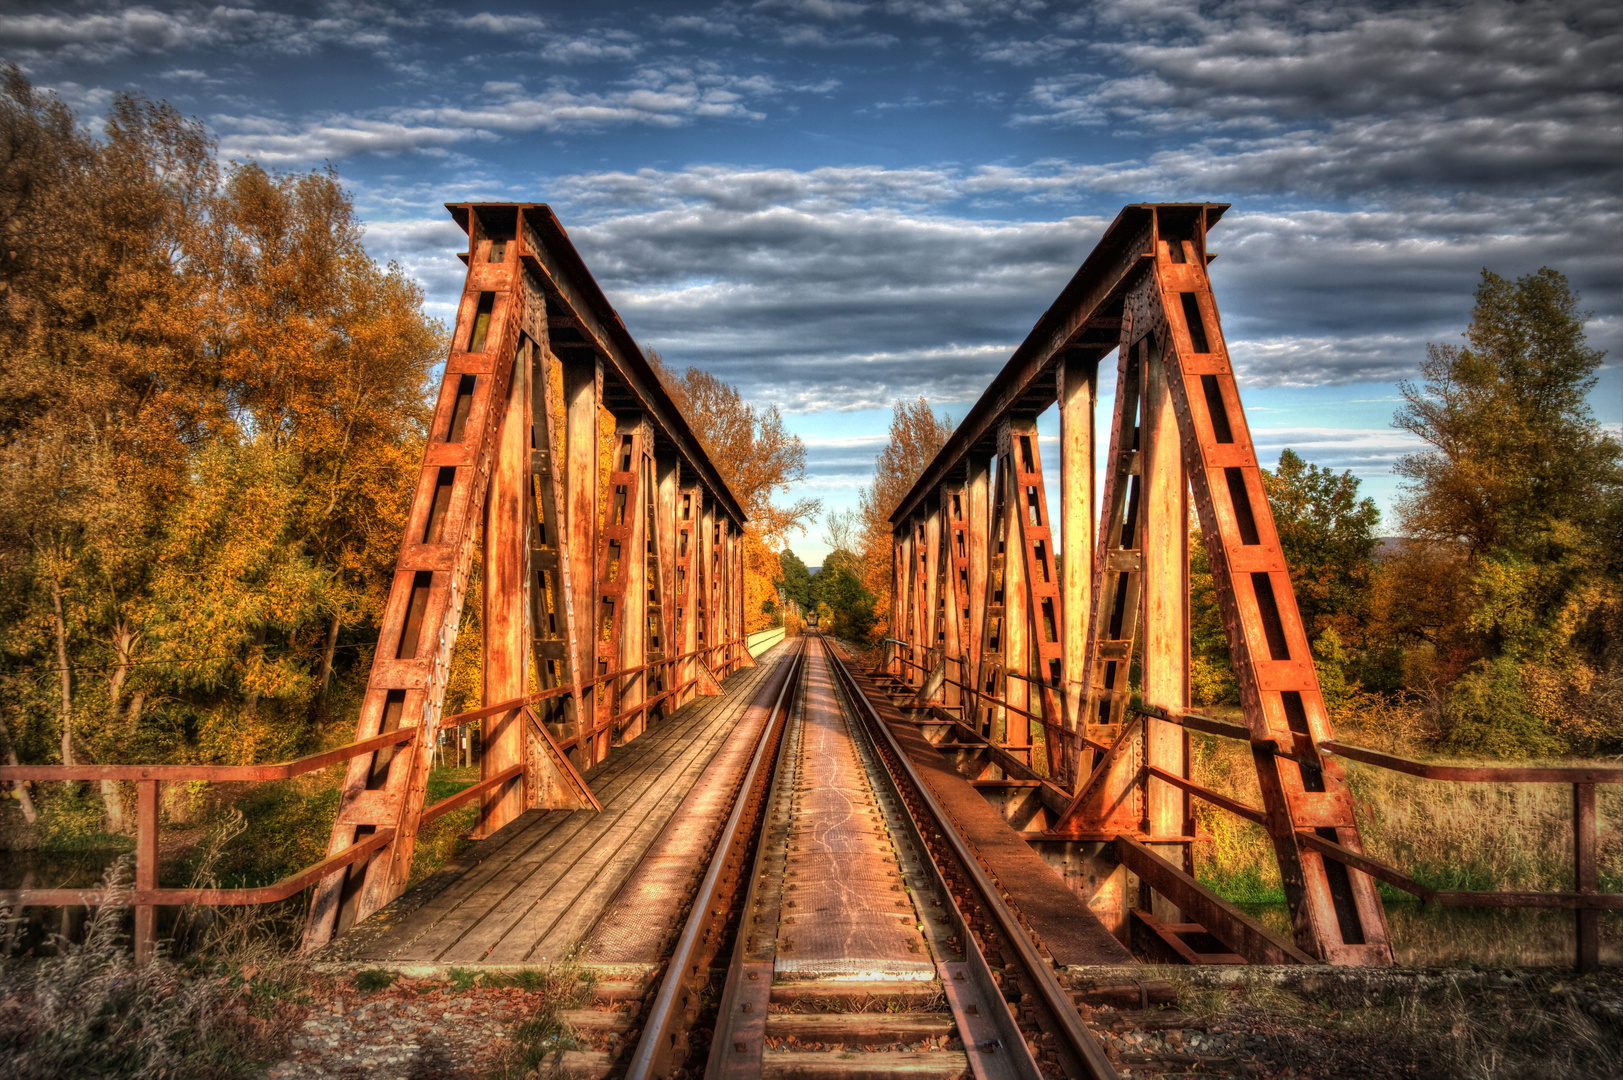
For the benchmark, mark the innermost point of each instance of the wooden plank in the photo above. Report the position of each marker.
(587, 890)
(528, 910)
(623, 784)
(474, 888)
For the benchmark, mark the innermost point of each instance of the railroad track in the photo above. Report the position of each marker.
(844, 928)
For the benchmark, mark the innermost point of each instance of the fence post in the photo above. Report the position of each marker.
(1585, 875)
(146, 865)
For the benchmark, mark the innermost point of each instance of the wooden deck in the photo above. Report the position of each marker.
(532, 892)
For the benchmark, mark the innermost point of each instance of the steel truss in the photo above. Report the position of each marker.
(1033, 651)
(621, 602)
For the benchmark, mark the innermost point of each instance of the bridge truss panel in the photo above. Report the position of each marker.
(577, 588)
(1056, 642)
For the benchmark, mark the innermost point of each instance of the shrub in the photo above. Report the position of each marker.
(1487, 713)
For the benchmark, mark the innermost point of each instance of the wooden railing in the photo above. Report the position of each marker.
(147, 896)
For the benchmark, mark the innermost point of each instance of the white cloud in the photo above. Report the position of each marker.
(595, 47)
(666, 97)
(1349, 100)
(526, 26)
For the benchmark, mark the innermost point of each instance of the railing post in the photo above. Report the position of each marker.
(1586, 876)
(146, 865)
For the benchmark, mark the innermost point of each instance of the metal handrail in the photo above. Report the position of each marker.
(1585, 901)
(550, 692)
(146, 895)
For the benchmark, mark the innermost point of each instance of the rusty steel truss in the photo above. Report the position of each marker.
(1033, 651)
(605, 604)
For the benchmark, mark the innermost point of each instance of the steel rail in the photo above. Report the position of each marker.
(662, 1028)
(1088, 1056)
(1017, 1057)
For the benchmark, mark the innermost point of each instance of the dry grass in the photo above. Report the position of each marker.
(90, 1010)
(1385, 1023)
(1470, 836)
(546, 1033)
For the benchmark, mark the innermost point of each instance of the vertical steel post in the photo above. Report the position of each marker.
(931, 589)
(146, 866)
(583, 389)
(1016, 604)
(977, 492)
(1586, 876)
(1078, 396)
(505, 622)
(1165, 549)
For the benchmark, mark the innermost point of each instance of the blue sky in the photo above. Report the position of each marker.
(835, 203)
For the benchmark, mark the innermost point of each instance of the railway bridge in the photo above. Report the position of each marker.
(984, 829)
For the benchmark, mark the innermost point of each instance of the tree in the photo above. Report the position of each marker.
(212, 406)
(1327, 535)
(840, 598)
(916, 436)
(796, 579)
(329, 357)
(755, 454)
(1524, 483)
(1514, 445)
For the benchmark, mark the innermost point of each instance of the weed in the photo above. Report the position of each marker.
(463, 980)
(91, 1010)
(373, 980)
(546, 1032)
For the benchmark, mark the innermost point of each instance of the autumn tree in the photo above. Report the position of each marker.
(327, 356)
(1523, 483)
(210, 413)
(1514, 447)
(100, 400)
(755, 454)
(916, 436)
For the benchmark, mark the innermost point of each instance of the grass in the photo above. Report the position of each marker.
(546, 1032)
(90, 1010)
(1381, 1023)
(1468, 836)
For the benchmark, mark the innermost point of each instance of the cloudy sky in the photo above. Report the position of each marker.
(835, 203)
